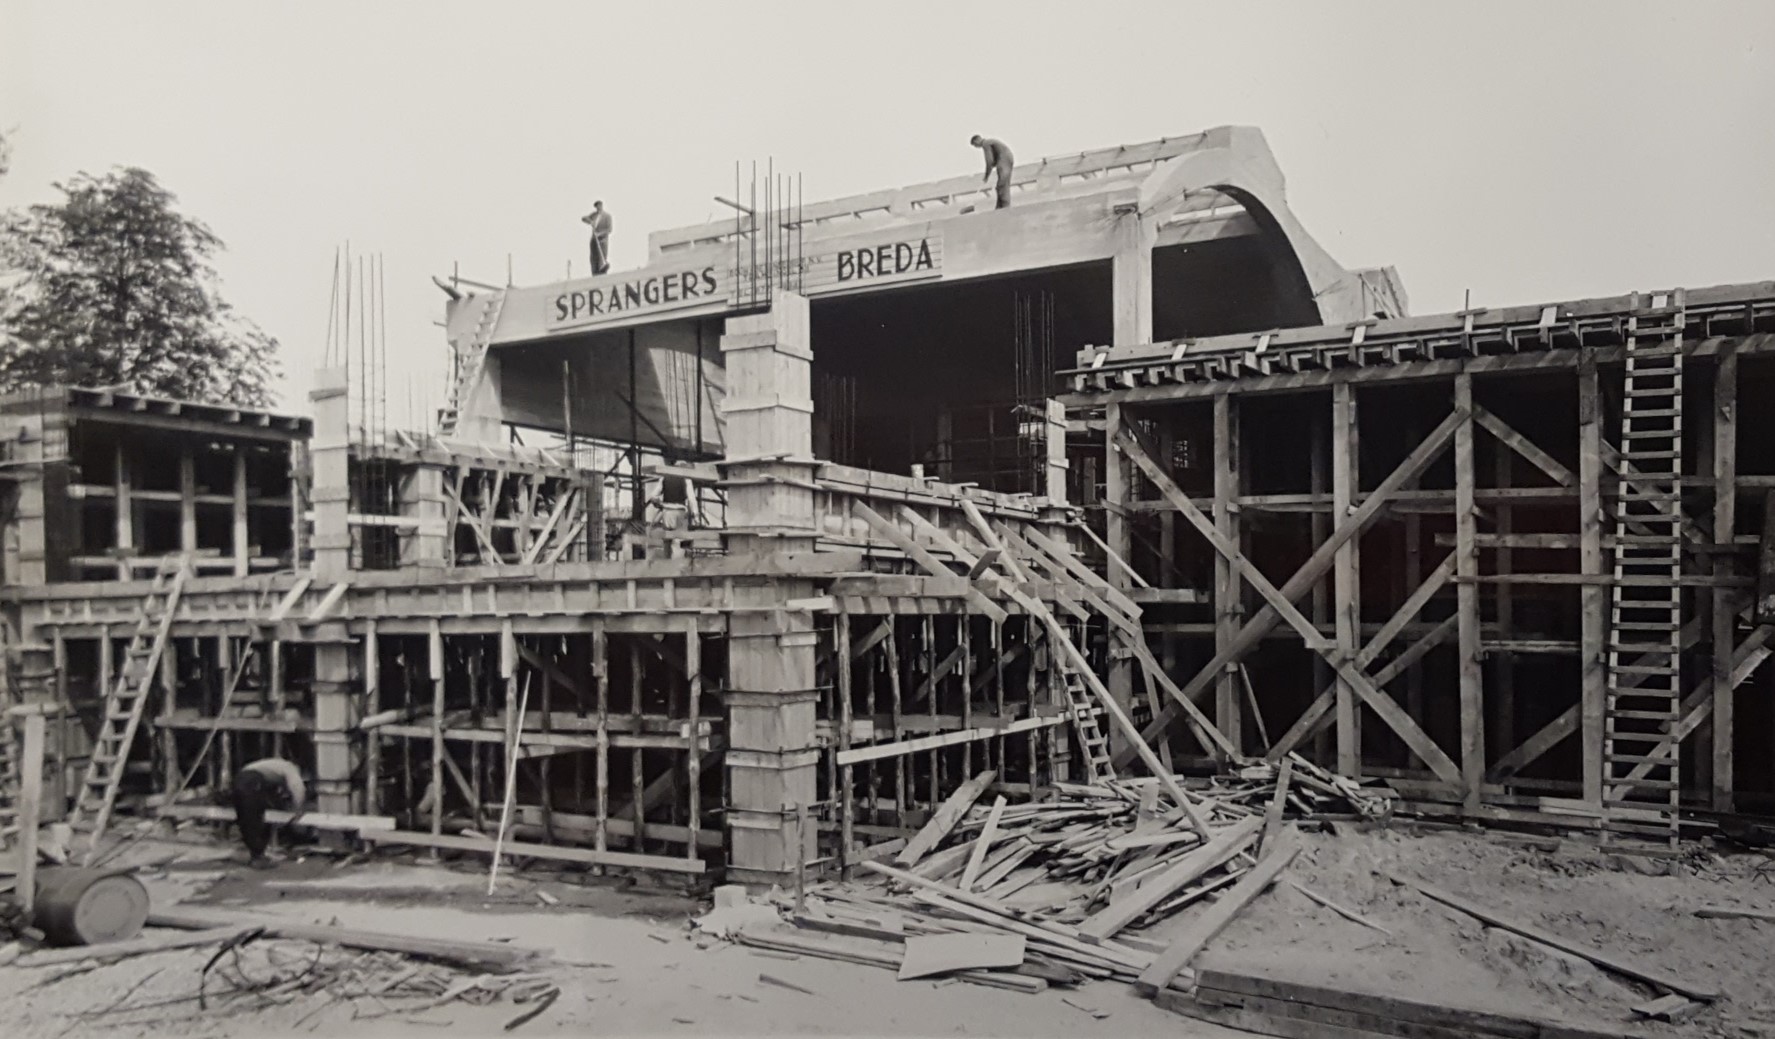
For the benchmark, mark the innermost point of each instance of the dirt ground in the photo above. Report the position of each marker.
(625, 959)
(628, 963)
(1438, 954)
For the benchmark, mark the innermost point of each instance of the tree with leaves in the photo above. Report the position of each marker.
(113, 287)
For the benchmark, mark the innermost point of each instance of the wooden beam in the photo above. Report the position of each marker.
(1725, 514)
(1229, 605)
(1593, 599)
(1254, 630)
(1346, 596)
(1349, 677)
(1203, 927)
(1472, 691)
(923, 557)
(1523, 446)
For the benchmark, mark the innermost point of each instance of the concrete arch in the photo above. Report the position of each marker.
(1236, 161)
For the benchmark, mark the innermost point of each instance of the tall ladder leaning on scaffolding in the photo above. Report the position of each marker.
(1642, 772)
(125, 702)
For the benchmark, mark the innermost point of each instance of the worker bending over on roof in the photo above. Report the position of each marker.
(270, 783)
(600, 222)
(998, 157)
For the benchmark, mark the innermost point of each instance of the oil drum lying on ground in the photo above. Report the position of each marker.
(89, 906)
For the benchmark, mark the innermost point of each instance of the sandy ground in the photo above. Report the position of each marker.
(1437, 954)
(625, 959)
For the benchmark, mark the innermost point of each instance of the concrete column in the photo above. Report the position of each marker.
(1054, 486)
(330, 464)
(1133, 276)
(769, 407)
(773, 756)
(422, 498)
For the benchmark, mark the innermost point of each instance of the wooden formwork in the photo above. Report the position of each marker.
(1403, 535)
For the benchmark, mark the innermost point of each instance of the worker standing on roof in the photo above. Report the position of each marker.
(600, 222)
(998, 157)
(261, 786)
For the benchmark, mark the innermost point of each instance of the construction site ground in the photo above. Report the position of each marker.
(628, 962)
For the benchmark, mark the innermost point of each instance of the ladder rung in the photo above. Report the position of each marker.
(1651, 716)
(1640, 759)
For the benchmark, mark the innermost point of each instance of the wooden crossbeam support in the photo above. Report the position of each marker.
(1551, 734)
(1525, 447)
(923, 557)
(1382, 704)
(1698, 706)
(1253, 631)
(1313, 718)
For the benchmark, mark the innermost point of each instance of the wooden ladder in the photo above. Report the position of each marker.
(9, 780)
(125, 702)
(1083, 708)
(1642, 773)
(468, 373)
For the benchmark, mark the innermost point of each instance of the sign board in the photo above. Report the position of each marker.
(899, 255)
(849, 264)
(588, 302)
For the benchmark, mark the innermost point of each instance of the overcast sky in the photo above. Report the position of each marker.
(1529, 152)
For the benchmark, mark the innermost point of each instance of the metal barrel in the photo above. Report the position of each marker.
(78, 906)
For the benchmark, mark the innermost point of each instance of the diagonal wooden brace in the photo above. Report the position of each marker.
(1312, 570)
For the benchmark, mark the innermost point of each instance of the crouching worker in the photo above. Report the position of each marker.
(270, 783)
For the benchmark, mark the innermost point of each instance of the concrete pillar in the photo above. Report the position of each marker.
(330, 491)
(773, 756)
(330, 465)
(422, 498)
(769, 407)
(1132, 292)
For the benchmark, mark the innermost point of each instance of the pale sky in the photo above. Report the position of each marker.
(1529, 152)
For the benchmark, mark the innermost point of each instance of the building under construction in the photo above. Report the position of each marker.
(741, 562)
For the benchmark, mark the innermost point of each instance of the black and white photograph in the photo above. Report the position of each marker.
(887, 518)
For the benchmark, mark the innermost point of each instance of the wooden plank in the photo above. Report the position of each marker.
(1472, 693)
(1221, 846)
(518, 849)
(1272, 815)
(982, 844)
(928, 955)
(1601, 958)
(1592, 599)
(316, 820)
(923, 557)
(1202, 928)
(143, 946)
(30, 803)
(1391, 1014)
(1725, 612)
(1715, 912)
(950, 813)
(1346, 595)
(1348, 914)
(456, 950)
(1524, 446)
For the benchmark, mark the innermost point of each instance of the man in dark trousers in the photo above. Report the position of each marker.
(998, 157)
(600, 222)
(270, 783)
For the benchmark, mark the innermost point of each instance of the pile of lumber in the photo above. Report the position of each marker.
(1055, 892)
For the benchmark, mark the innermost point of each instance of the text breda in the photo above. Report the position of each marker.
(885, 261)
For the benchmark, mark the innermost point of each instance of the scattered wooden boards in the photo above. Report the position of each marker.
(1211, 921)
(475, 955)
(1222, 846)
(1276, 1007)
(933, 954)
(947, 815)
